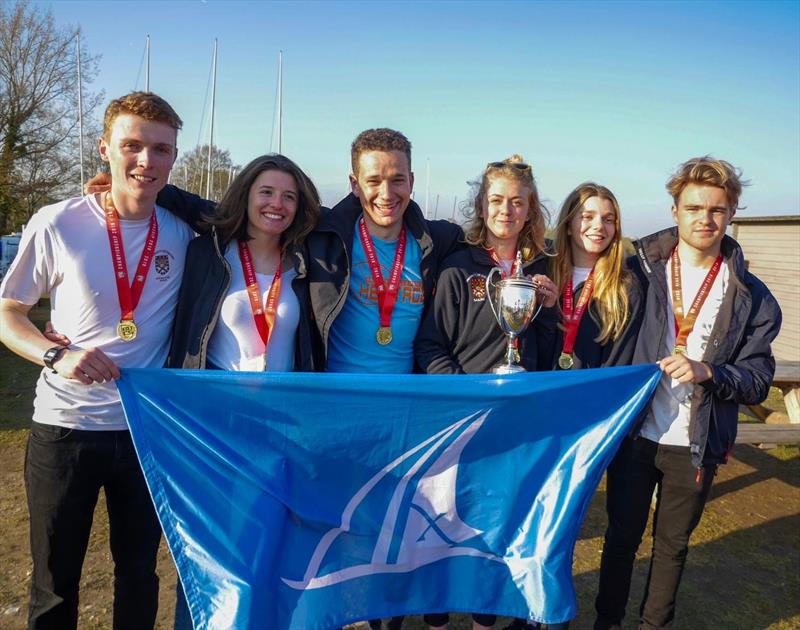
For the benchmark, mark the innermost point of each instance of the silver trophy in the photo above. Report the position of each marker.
(513, 301)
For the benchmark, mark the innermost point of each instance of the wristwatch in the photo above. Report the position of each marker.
(52, 355)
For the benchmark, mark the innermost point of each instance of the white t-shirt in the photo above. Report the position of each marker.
(236, 343)
(668, 422)
(64, 251)
(579, 275)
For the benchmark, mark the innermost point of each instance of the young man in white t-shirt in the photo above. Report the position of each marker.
(112, 265)
(708, 323)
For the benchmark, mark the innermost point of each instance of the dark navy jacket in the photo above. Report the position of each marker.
(330, 253)
(588, 353)
(459, 334)
(206, 278)
(738, 350)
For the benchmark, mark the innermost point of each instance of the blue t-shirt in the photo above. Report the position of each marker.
(352, 346)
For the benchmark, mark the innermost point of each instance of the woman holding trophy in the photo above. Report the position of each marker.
(460, 333)
(597, 299)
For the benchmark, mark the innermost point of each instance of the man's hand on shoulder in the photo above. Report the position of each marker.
(87, 366)
(98, 184)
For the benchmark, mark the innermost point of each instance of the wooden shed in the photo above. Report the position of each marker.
(771, 248)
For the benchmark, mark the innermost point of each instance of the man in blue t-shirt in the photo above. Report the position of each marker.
(373, 262)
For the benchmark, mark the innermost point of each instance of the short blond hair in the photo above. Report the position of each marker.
(143, 104)
(708, 171)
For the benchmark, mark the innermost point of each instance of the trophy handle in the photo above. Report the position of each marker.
(490, 285)
(541, 304)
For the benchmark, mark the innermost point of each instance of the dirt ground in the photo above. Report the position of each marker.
(743, 569)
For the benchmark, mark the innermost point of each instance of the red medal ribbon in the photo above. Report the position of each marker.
(685, 325)
(496, 259)
(129, 294)
(572, 318)
(387, 295)
(264, 317)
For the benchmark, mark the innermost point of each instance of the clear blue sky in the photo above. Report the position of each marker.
(617, 92)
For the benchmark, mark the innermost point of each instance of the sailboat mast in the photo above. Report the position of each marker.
(80, 105)
(427, 184)
(280, 101)
(211, 128)
(147, 66)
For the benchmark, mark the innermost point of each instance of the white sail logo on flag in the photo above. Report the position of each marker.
(432, 530)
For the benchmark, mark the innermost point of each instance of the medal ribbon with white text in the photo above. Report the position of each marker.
(572, 318)
(387, 295)
(263, 317)
(129, 294)
(685, 325)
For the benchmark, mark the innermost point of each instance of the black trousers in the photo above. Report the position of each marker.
(441, 619)
(64, 471)
(640, 466)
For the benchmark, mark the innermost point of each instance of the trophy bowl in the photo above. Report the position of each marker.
(513, 302)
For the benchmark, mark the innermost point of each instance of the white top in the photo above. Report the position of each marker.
(668, 422)
(65, 252)
(506, 265)
(579, 275)
(235, 343)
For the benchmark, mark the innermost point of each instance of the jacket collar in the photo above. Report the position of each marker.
(295, 254)
(341, 220)
(654, 250)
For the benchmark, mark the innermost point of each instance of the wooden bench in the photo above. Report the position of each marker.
(768, 434)
(787, 379)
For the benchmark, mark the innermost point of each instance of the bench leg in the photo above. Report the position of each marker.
(791, 397)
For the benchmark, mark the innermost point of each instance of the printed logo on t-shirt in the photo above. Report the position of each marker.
(161, 262)
(477, 286)
(411, 292)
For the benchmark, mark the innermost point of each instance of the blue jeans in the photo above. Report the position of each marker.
(64, 471)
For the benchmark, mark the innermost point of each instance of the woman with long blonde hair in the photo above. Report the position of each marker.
(595, 289)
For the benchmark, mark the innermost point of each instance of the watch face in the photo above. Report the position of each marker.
(51, 355)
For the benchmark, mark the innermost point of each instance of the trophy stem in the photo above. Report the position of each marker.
(511, 352)
(510, 366)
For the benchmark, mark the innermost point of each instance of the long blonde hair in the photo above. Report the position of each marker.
(610, 293)
(531, 238)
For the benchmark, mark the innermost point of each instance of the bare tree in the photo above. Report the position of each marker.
(38, 110)
(190, 171)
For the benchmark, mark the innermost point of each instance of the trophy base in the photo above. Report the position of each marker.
(505, 368)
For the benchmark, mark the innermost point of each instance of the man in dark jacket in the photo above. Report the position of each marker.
(708, 322)
(373, 262)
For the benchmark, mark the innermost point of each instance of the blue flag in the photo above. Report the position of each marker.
(308, 501)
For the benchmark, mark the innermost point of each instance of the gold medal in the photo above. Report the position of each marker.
(127, 330)
(677, 350)
(565, 361)
(384, 335)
